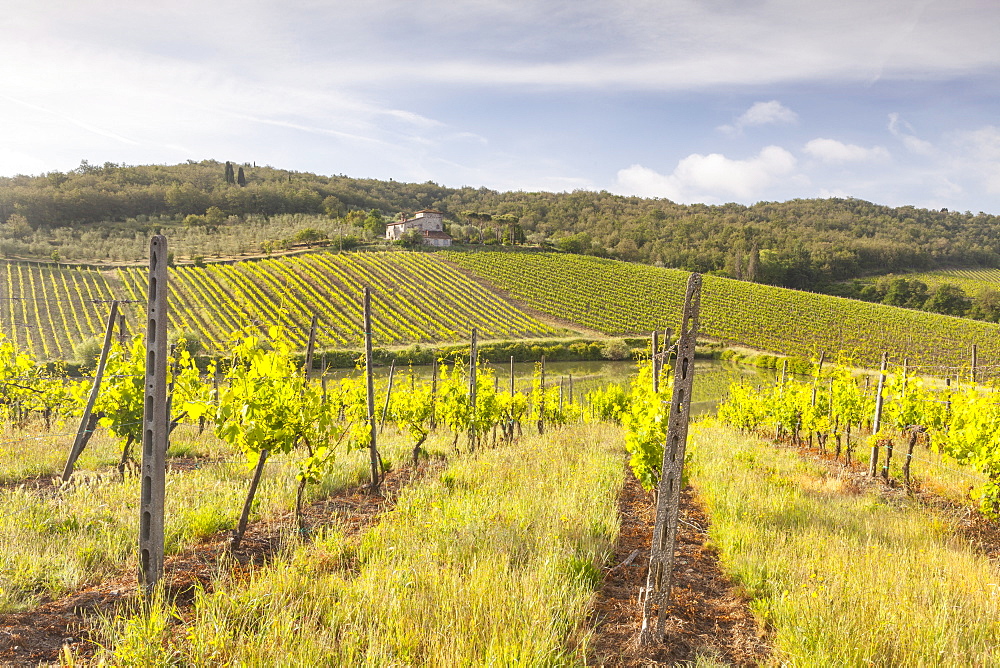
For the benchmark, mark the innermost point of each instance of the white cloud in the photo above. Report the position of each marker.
(634, 44)
(981, 144)
(831, 150)
(762, 113)
(906, 134)
(710, 178)
(977, 156)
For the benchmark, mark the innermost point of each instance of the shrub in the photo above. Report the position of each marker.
(616, 349)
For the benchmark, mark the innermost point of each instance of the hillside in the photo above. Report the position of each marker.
(617, 297)
(417, 298)
(438, 297)
(104, 212)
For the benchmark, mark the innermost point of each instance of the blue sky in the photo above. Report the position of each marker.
(711, 101)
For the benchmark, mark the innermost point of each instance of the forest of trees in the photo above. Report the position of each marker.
(806, 244)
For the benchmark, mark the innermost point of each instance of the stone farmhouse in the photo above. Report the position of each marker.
(428, 221)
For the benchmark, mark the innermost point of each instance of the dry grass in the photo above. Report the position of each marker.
(492, 563)
(844, 577)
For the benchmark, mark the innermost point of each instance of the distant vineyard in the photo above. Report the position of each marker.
(972, 281)
(416, 297)
(618, 298)
(48, 310)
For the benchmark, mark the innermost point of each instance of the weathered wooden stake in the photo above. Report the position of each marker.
(86, 429)
(509, 425)
(975, 362)
(888, 458)
(813, 404)
(661, 558)
(370, 380)
(877, 420)
(656, 361)
(310, 347)
(947, 400)
(541, 399)
(665, 367)
(473, 386)
(914, 433)
(434, 392)
(122, 331)
(155, 421)
(388, 394)
(241, 525)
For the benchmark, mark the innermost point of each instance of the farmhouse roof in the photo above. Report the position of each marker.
(436, 234)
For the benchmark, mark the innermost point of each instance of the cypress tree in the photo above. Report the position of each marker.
(241, 178)
(230, 177)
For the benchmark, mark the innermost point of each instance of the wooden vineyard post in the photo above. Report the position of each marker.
(122, 332)
(434, 394)
(310, 347)
(656, 361)
(877, 420)
(661, 554)
(473, 386)
(541, 399)
(155, 419)
(779, 428)
(370, 381)
(87, 422)
(510, 419)
(915, 432)
(975, 362)
(665, 363)
(388, 395)
(511, 375)
(813, 405)
(947, 400)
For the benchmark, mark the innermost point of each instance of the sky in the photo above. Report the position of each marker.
(890, 101)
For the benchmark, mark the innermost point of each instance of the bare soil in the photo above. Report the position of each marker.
(708, 616)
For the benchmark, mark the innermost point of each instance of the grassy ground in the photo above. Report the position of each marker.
(844, 577)
(61, 539)
(493, 562)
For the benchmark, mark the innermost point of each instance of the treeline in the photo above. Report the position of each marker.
(944, 298)
(804, 244)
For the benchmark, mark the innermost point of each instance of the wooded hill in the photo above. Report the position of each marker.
(800, 243)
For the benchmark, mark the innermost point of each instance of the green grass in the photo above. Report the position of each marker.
(37, 453)
(59, 540)
(844, 578)
(492, 563)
